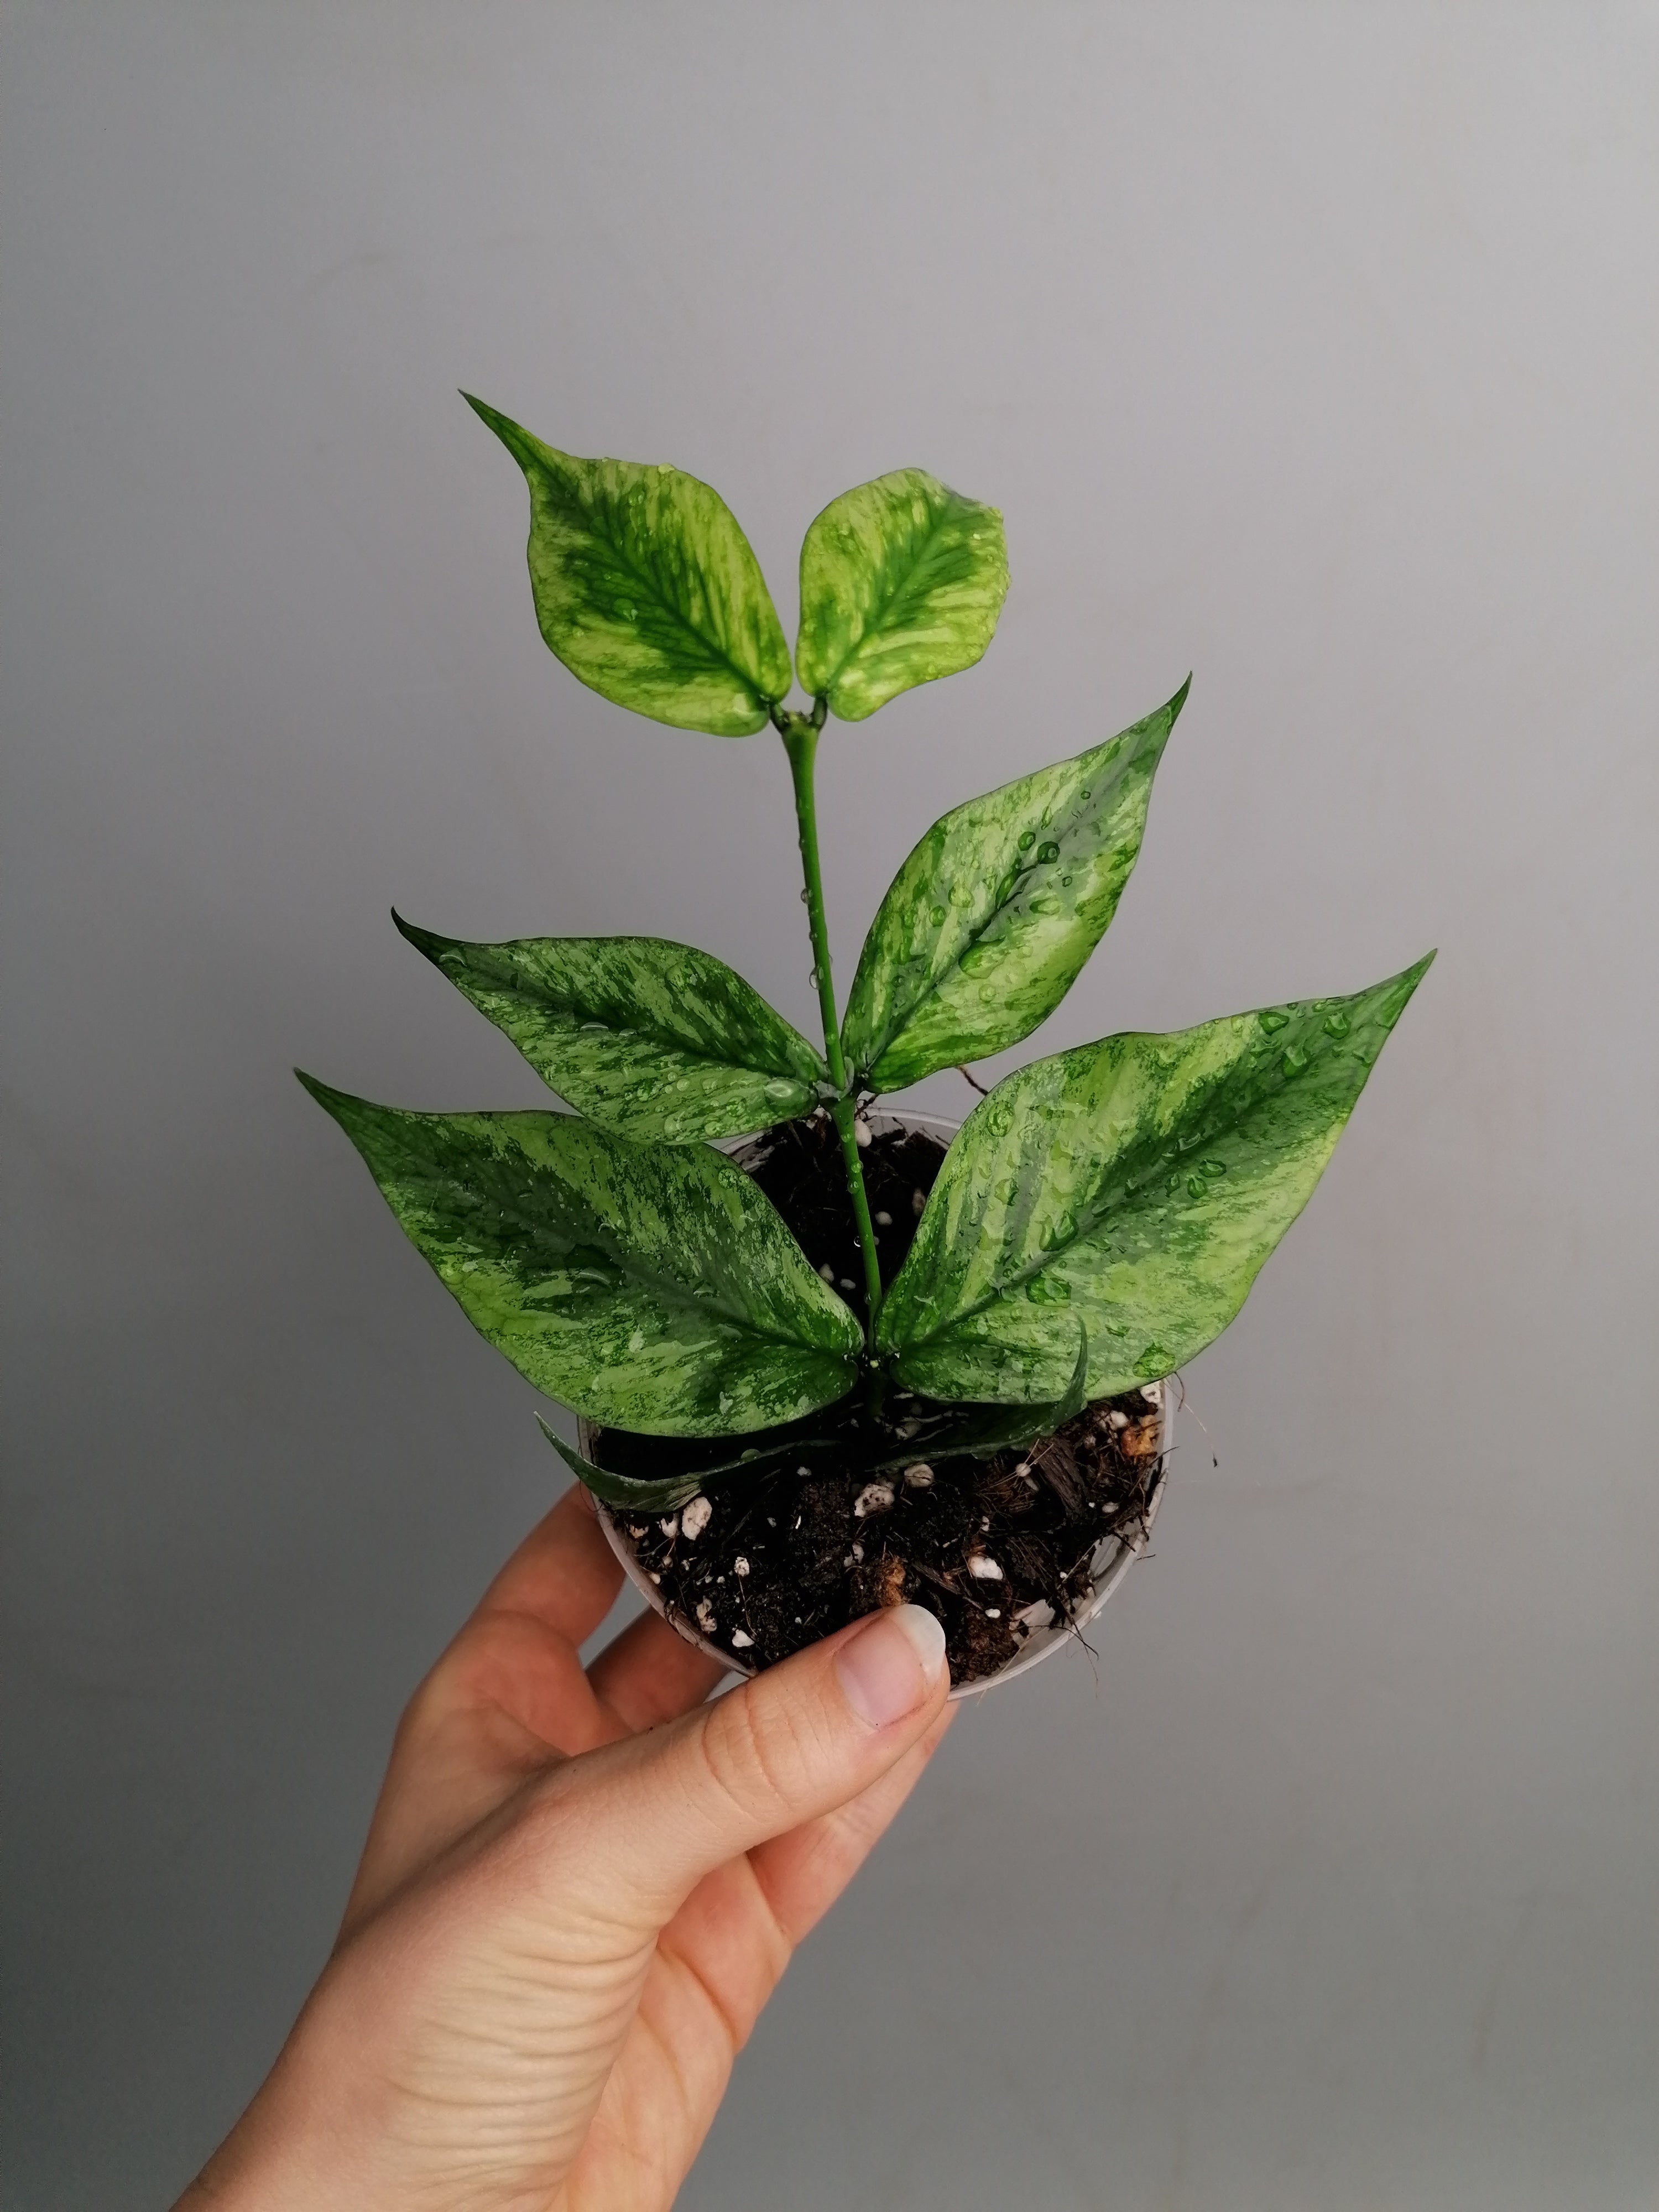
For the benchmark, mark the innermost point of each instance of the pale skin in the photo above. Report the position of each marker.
(577, 1891)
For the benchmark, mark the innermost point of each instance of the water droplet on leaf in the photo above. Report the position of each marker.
(1048, 850)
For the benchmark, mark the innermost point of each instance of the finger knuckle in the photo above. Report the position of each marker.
(758, 1752)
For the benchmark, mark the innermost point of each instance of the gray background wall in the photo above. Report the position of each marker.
(1311, 348)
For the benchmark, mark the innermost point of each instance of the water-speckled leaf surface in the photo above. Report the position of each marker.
(646, 589)
(987, 924)
(1137, 1185)
(652, 1039)
(901, 580)
(650, 1286)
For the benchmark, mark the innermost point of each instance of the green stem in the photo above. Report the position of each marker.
(800, 741)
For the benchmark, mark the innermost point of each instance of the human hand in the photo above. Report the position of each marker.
(577, 1892)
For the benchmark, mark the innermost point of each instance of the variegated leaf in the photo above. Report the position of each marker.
(652, 1286)
(901, 580)
(988, 923)
(646, 589)
(650, 1039)
(1136, 1185)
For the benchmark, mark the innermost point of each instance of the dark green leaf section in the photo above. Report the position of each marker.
(1136, 1185)
(652, 1040)
(646, 589)
(901, 580)
(988, 923)
(624, 1490)
(650, 1286)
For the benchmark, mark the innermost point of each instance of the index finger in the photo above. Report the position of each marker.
(563, 1575)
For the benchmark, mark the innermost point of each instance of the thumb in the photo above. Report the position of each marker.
(640, 1823)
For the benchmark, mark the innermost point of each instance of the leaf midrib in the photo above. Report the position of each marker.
(663, 1043)
(1150, 1148)
(626, 561)
(934, 988)
(675, 1293)
(875, 621)
(903, 1021)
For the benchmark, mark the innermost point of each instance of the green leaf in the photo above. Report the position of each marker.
(943, 1431)
(649, 1039)
(623, 1490)
(901, 580)
(646, 589)
(652, 1286)
(988, 923)
(1008, 1428)
(1136, 1185)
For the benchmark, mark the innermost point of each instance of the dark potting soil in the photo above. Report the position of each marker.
(996, 1547)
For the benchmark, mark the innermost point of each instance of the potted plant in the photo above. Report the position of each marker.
(864, 1360)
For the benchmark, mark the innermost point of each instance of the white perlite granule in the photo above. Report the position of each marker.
(695, 1518)
(874, 1497)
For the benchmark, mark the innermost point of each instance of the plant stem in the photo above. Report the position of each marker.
(800, 741)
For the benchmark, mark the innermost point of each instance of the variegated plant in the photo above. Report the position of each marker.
(1102, 1213)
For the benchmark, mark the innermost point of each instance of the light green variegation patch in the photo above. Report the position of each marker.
(901, 580)
(652, 1039)
(651, 1286)
(646, 589)
(990, 919)
(1136, 1185)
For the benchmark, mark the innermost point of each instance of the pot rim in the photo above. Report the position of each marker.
(1113, 1558)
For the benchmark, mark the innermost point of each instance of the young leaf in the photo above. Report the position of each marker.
(901, 580)
(649, 1286)
(646, 589)
(649, 1039)
(1136, 1185)
(990, 919)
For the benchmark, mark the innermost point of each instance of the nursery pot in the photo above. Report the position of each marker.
(1113, 1557)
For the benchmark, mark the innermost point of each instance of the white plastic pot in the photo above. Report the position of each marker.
(1112, 1561)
